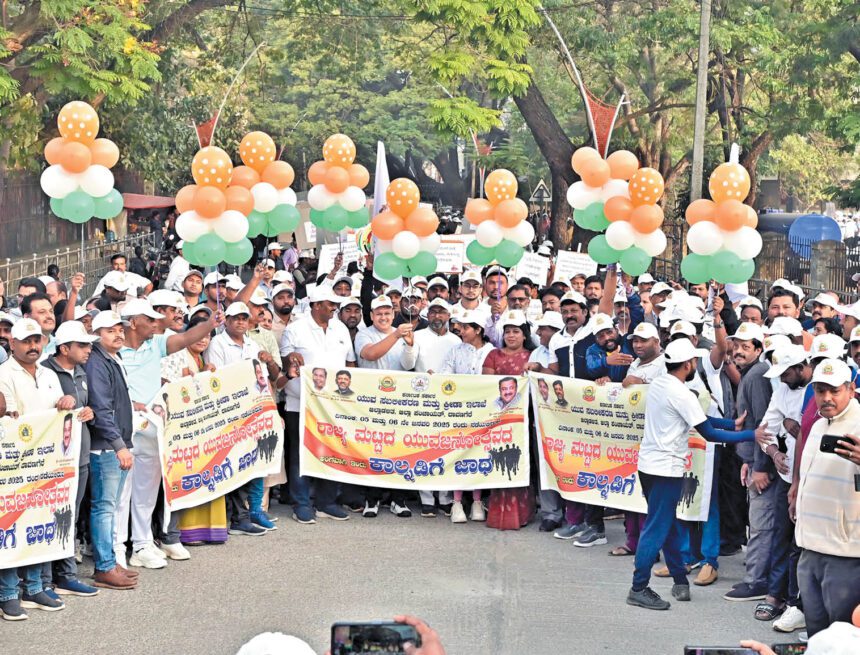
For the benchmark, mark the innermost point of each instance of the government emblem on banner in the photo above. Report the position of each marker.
(25, 432)
(448, 387)
(635, 397)
(387, 384)
(588, 394)
(420, 383)
(186, 397)
(215, 385)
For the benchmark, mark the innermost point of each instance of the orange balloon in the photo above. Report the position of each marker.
(646, 218)
(78, 122)
(751, 219)
(731, 215)
(211, 166)
(729, 182)
(244, 176)
(500, 185)
(279, 174)
(359, 176)
(509, 213)
(105, 153)
(53, 149)
(317, 171)
(336, 179)
(701, 210)
(646, 187)
(478, 210)
(257, 150)
(210, 202)
(240, 199)
(402, 196)
(386, 224)
(617, 208)
(582, 155)
(855, 617)
(75, 157)
(622, 164)
(595, 172)
(339, 150)
(185, 198)
(422, 221)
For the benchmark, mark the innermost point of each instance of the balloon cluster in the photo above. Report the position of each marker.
(501, 230)
(336, 197)
(617, 196)
(405, 233)
(78, 180)
(722, 237)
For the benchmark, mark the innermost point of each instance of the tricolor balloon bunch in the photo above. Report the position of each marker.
(405, 233)
(501, 230)
(336, 197)
(617, 196)
(78, 180)
(722, 237)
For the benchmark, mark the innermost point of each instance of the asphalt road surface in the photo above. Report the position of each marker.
(486, 592)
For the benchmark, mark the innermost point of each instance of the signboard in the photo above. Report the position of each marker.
(329, 251)
(568, 264)
(541, 194)
(533, 266)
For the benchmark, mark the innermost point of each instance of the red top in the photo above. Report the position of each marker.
(504, 364)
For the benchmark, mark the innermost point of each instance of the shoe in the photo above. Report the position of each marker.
(745, 592)
(400, 511)
(355, 508)
(458, 514)
(548, 525)
(477, 513)
(11, 610)
(589, 538)
(53, 595)
(259, 519)
(247, 528)
(570, 531)
(74, 588)
(175, 551)
(147, 559)
(728, 550)
(792, 619)
(681, 591)
(370, 511)
(41, 601)
(155, 550)
(333, 512)
(114, 579)
(803, 637)
(131, 575)
(647, 598)
(304, 515)
(663, 571)
(707, 575)
(271, 517)
(446, 509)
(428, 511)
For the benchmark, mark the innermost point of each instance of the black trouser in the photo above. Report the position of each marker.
(733, 499)
(830, 588)
(237, 505)
(374, 494)
(300, 485)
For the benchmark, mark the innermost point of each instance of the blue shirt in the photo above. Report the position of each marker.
(595, 361)
(143, 368)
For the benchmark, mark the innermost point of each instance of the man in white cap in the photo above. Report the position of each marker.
(178, 268)
(649, 362)
(470, 290)
(233, 287)
(433, 342)
(276, 251)
(191, 287)
(545, 328)
(215, 291)
(659, 292)
(824, 305)
(410, 309)
(437, 287)
(750, 310)
(609, 357)
(645, 282)
(568, 346)
(267, 274)
(168, 304)
(350, 314)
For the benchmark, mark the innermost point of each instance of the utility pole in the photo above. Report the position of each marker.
(701, 102)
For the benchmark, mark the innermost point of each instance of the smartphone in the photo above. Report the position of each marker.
(829, 442)
(789, 649)
(373, 637)
(718, 650)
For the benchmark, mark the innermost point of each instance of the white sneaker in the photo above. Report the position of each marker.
(146, 558)
(458, 515)
(478, 513)
(792, 619)
(155, 550)
(175, 551)
(400, 510)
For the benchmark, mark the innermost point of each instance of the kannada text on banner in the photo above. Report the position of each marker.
(414, 431)
(38, 486)
(221, 430)
(589, 437)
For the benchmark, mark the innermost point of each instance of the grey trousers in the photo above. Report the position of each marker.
(830, 588)
(762, 508)
(551, 506)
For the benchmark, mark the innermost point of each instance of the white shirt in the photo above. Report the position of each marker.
(563, 339)
(26, 394)
(223, 350)
(648, 372)
(136, 281)
(399, 357)
(784, 403)
(671, 411)
(432, 349)
(329, 348)
(541, 355)
(465, 359)
(178, 268)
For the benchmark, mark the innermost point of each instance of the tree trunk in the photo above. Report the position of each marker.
(184, 14)
(454, 190)
(749, 161)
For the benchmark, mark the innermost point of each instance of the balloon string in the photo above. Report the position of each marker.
(734, 154)
(230, 88)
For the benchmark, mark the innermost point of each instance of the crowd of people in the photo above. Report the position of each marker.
(777, 375)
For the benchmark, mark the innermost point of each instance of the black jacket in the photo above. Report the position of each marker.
(111, 428)
(74, 384)
(577, 368)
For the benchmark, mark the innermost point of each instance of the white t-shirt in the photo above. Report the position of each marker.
(432, 349)
(784, 403)
(541, 355)
(399, 357)
(648, 372)
(671, 411)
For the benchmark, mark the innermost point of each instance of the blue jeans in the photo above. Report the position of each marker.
(300, 485)
(9, 581)
(662, 530)
(106, 482)
(255, 495)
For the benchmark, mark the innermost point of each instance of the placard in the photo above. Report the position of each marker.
(568, 264)
(533, 266)
(329, 251)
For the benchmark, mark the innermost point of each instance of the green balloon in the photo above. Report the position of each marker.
(602, 252)
(188, 252)
(108, 206)
(635, 261)
(597, 222)
(389, 266)
(270, 230)
(358, 218)
(210, 249)
(335, 218)
(285, 218)
(57, 207)
(696, 268)
(478, 254)
(746, 272)
(424, 264)
(508, 253)
(256, 223)
(725, 266)
(316, 217)
(78, 207)
(238, 253)
(580, 217)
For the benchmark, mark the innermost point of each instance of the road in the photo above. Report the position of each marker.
(486, 592)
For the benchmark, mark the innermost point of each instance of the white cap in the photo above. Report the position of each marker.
(645, 331)
(850, 310)
(600, 322)
(786, 325)
(274, 246)
(436, 282)
(164, 298)
(419, 279)
(682, 350)
(748, 331)
(827, 300)
(514, 317)
(560, 279)
(179, 244)
(468, 316)
(282, 287)
(308, 253)
(73, 332)
(117, 280)
(25, 328)
(234, 282)
(80, 312)
(782, 283)
(46, 279)
(551, 319)
(283, 276)
(750, 301)
(828, 345)
(352, 300)
(8, 318)
(470, 276)
(323, 293)
(645, 278)
(192, 271)
(776, 342)
(258, 298)
(198, 309)
(574, 297)
(440, 302)
(855, 335)
(545, 251)
(682, 327)
(834, 372)
(237, 309)
(380, 301)
(213, 278)
(620, 297)
(660, 287)
(269, 263)
(496, 270)
(107, 319)
(139, 307)
(784, 358)
(413, 292)
(342, 278)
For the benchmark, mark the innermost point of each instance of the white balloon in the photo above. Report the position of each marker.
(97, 181)
(405, 244)
(287, 197)
(614, 188)
(430, 243)
(57, 183)
(320, 198)
(653, 243)
(489, 234)
(352, 199)
(704, 238)
(265, 196)
(620, 235)
(232, 226)
(190, 226)
(521, 235)
(745, 242)
(580, 196)
(384, 245)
